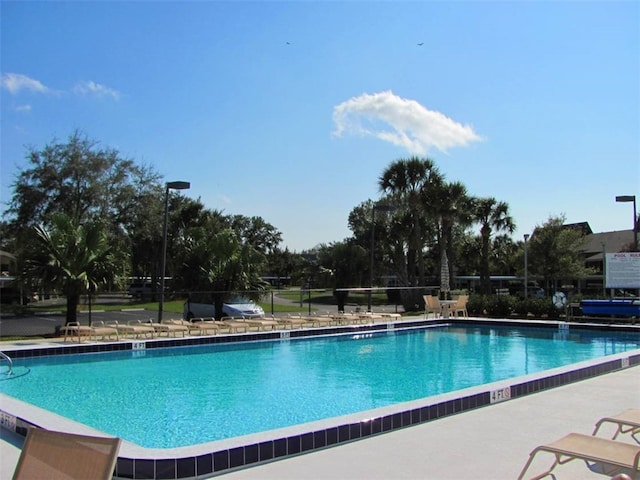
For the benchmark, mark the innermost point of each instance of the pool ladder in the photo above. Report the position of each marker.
(4, 356)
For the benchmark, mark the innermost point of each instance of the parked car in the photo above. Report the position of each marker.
(238, 307)
(16, 296)
(142, 289)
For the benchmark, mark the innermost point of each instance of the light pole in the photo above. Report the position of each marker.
(169, 186)
(604, 269)
(526, 267)
(631, 198)
(383, 208)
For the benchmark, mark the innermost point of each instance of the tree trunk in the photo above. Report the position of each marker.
(73, 299)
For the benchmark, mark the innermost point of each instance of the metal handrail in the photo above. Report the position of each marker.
(6, 357)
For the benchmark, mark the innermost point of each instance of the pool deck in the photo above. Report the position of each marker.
(491, 442)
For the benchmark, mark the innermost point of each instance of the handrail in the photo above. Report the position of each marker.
(6, 357)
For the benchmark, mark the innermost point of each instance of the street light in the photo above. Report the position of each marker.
(526, 267)
(383, 208)
(631, 198)
(169, 186)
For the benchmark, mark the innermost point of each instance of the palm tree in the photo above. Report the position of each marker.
(73, 257)
(222, 264)
(450, 204)
(405, 180)
(492, 216)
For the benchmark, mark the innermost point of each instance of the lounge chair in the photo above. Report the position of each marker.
(611, 455)
(170, 328)
(234, 325)
(204, 326)
(261, 323)
(99, 329)
(58, 456)
(134, 328)
(74, 329)
(626, 422)
(295, 321)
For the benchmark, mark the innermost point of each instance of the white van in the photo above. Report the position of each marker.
(237, 307)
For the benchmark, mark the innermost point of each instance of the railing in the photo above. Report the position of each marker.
(5, 357)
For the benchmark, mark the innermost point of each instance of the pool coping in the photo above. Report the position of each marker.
(222, 456)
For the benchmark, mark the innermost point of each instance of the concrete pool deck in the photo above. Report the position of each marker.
(490, 442)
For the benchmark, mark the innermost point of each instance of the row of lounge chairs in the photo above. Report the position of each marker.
(100, 330)
(608, 455)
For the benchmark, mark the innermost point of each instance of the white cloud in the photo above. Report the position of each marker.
(14, 82)
(400, 121)
(22, 108)
(93, 88)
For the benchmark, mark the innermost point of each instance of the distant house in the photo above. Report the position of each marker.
(8, 264)
(596, 245)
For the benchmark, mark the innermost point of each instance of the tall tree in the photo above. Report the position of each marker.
(492, 215)
(220, 265)
(450, 205)
(87, 183)
(255, 231)
(555, 253)
(81, 179)
(73, 257)
(405, 181)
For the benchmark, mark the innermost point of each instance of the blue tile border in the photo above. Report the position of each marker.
(226, 460)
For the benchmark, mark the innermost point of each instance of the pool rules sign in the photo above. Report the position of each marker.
(622, 270)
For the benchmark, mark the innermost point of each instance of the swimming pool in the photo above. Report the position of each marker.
(173, 397)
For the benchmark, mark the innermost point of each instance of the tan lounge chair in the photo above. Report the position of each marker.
(66, 456)
(74, 329)
(261, 323)
(203, 326)
(99, 329)
(133, 328)
(234, 325)
(611, 455)
(626, 422)
(295, 321)
(170, 328)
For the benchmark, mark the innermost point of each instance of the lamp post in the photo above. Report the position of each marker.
(383, 208)
(169, 186)
(526, 267)
(631, 198)
(604, 269)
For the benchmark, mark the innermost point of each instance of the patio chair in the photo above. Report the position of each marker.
(59, 455)
(626, 422)
(432, 305)
(460, 307)
(612, 456)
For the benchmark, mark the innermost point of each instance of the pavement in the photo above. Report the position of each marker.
(490, 443)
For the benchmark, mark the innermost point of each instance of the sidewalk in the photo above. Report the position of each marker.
(491, 443)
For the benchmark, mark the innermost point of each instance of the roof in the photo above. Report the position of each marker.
(609, 242)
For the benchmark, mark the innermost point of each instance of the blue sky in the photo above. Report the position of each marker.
(292, 110)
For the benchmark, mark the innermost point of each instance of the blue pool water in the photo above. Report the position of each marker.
(174, 397)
